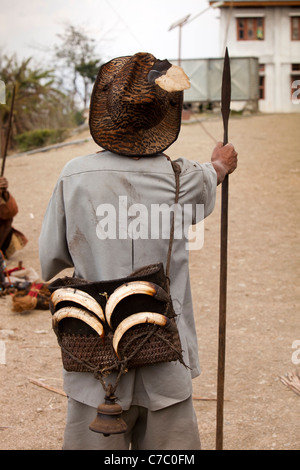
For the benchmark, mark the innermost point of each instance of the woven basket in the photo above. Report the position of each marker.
(83, 351)
(90, 353)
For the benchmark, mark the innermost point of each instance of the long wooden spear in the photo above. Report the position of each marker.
(225, 108)
(8, 129)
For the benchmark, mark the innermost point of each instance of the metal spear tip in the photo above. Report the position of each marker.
(226, 95)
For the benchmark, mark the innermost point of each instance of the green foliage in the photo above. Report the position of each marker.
(39, 138)
(78, 118)
(39, 103)
(44, 99)
(36, 101)
(88, 70)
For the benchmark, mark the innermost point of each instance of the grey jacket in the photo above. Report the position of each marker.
(108, 216)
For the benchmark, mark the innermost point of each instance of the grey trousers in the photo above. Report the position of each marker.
(171, 428)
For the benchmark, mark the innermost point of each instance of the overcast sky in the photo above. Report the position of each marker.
(120, 27)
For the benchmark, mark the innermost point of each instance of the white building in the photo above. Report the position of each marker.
(270, 31)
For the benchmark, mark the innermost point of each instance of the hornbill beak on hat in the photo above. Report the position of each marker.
(168, 77)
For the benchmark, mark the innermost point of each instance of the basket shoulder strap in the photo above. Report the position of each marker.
(177, 171)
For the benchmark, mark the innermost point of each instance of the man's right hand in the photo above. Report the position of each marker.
(224, 160)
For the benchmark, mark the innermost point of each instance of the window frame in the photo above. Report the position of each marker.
(245, 29)
(298, 28)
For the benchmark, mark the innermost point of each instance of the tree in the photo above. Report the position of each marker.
(88, 71)
(79, 62)
(38, 102)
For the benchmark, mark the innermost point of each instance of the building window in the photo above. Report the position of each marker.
(295, 28)
(261, 81)
(250, 29)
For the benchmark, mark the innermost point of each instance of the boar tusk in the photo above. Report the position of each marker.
(130, 288)
(79, 314)
(80, 297)
(136, 319)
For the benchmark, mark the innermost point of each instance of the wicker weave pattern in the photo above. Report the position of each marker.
(91, 353)
(83, 351)
(128, 115)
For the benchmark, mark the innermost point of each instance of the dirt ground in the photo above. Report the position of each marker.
(262, 302)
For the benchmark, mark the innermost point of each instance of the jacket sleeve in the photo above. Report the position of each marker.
(53, 246)
(198, 184)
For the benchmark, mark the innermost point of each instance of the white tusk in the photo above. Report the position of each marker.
(79, 314)
(80, 297)
(136, 319)
(130, 288)
(175, 79)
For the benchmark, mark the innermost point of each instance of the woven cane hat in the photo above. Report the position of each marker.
(136, 105)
